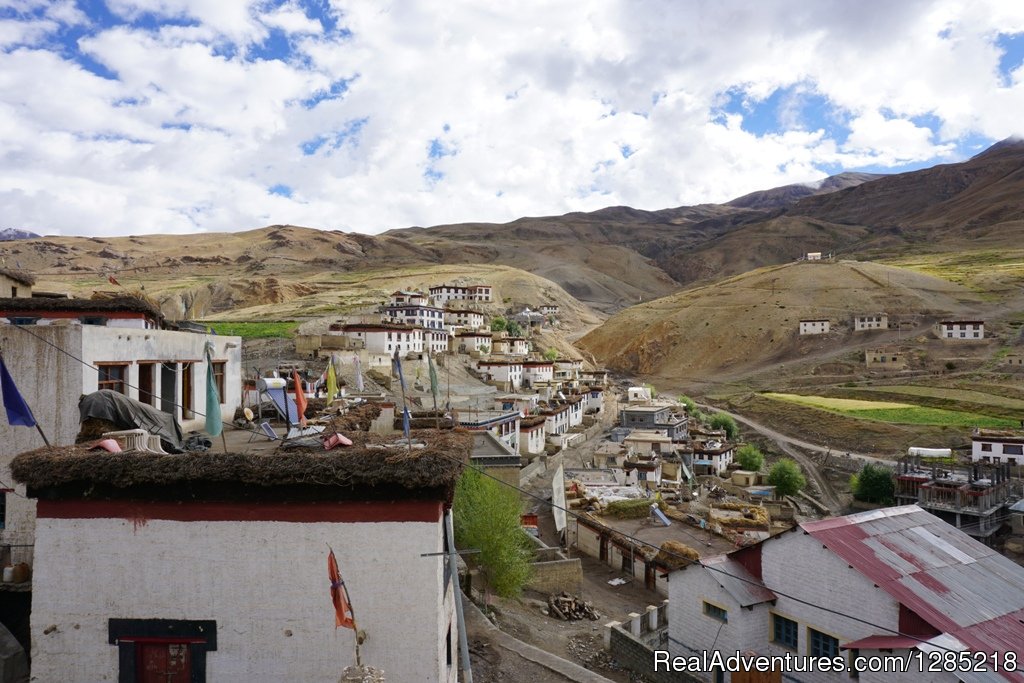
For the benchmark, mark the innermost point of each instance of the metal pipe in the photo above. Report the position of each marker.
(453, 569)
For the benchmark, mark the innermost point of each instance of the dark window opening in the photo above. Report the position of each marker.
(822, 644)
(114, 376)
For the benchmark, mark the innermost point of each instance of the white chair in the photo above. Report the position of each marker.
(153, 444)
(133, 439)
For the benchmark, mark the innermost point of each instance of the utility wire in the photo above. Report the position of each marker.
(577, 517)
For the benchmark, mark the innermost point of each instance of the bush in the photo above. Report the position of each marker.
(650, 388)
(950, 365)
(513, 328)
(691, 407)
(487, 518)
(786, 477)
(750, 458)
(551, 355)
(723, 421)
(499, 324)
(873, 484)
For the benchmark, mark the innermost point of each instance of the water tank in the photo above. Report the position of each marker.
(930, 452)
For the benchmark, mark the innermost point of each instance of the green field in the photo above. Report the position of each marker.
(895, 413)
(256, 330)
(964, 395)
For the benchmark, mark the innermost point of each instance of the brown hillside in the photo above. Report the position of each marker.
(750, 321)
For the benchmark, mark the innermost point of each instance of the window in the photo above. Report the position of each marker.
(14, 292)
(821, 644)
(986, 447)
(3, 507)
(218, 378)
(784, 632)
(1013, 449)
(113, 376)
(716, 612)
(94, 320)
(23, 320)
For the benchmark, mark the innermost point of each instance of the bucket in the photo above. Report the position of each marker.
(8, 575)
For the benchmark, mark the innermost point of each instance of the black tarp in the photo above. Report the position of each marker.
(127, 413)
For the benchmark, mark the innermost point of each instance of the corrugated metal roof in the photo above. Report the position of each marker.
(953, 582)
(743, 586)
(881, 643)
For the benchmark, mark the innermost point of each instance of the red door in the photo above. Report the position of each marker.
(163, 663)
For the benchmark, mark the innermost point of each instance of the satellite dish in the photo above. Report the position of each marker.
(248, 414)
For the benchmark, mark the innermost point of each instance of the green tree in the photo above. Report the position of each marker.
(487, 518)
(551, 355)
(691, 406)
(873, 484)
(723, 421)
(650, 388)
(499, 324)
(750, 457)
(786, 477)
(513, 328)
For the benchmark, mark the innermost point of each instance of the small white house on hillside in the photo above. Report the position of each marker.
(818, 326)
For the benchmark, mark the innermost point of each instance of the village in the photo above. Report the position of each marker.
(169, 498)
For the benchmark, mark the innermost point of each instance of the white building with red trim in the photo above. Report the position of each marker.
(213, 576)
(382, 338)
(891, 582)
(442, 294)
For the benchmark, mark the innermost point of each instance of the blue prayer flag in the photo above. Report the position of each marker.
(18, 412)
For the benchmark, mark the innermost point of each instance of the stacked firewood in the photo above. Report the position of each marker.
(570, 608)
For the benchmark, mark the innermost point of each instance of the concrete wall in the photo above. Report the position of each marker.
(50, 382)
(265, 584)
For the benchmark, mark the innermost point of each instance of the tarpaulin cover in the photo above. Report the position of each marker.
(127, 413)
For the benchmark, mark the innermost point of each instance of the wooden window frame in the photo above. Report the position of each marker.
(104, 367)
(126, 634)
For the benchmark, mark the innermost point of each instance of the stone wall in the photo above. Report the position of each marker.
(556, 576)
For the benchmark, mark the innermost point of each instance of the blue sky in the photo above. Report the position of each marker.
(133, 116)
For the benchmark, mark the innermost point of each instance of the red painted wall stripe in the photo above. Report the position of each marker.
(347, 511)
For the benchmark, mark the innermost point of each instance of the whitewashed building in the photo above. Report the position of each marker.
(503, 424)
(245, 596)
(471, 320)
(506, 373)
(712, 457)
(997, 446)
(442, 294)
(960, 330)
(429, 317)
(532, 435)
(814, 326)
(896, 581)
(408, 298)
(163, 368)
(382, 338)
(468, 342)
(549, 309)
(537, 371)
(436, 341)
(15, 283)
(874, 321)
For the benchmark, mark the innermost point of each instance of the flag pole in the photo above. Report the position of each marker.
(352, 611)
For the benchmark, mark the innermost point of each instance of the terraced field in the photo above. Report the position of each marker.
(895, 412)
(960, 395)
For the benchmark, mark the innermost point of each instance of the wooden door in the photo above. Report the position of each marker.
(186, 391)
(163, 663)
(146, 383)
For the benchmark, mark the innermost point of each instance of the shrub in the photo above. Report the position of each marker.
(723, 421)
(691, 406)
(487, 517)
(551, 355)
(786, 477)
(750, 458)
(499, 324)
(873, 484)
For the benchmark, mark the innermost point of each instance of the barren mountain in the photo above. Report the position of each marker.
(778, 197)
(749, 321)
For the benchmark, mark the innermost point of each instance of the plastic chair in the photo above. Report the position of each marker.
(134, 439)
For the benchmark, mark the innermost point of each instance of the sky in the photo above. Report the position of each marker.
(174, 116)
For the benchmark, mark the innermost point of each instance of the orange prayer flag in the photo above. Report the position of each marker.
(339, 596)
(300, 398)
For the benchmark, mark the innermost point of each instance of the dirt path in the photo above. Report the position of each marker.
(787, 443)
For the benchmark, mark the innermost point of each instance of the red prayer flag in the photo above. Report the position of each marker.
(113, 281)
(339, 596)
(300, 398)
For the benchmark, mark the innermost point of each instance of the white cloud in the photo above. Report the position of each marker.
(540, 109)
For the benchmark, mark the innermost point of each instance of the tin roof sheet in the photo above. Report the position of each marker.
(737, 581)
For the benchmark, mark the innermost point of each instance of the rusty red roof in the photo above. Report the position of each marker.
(951, 581)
